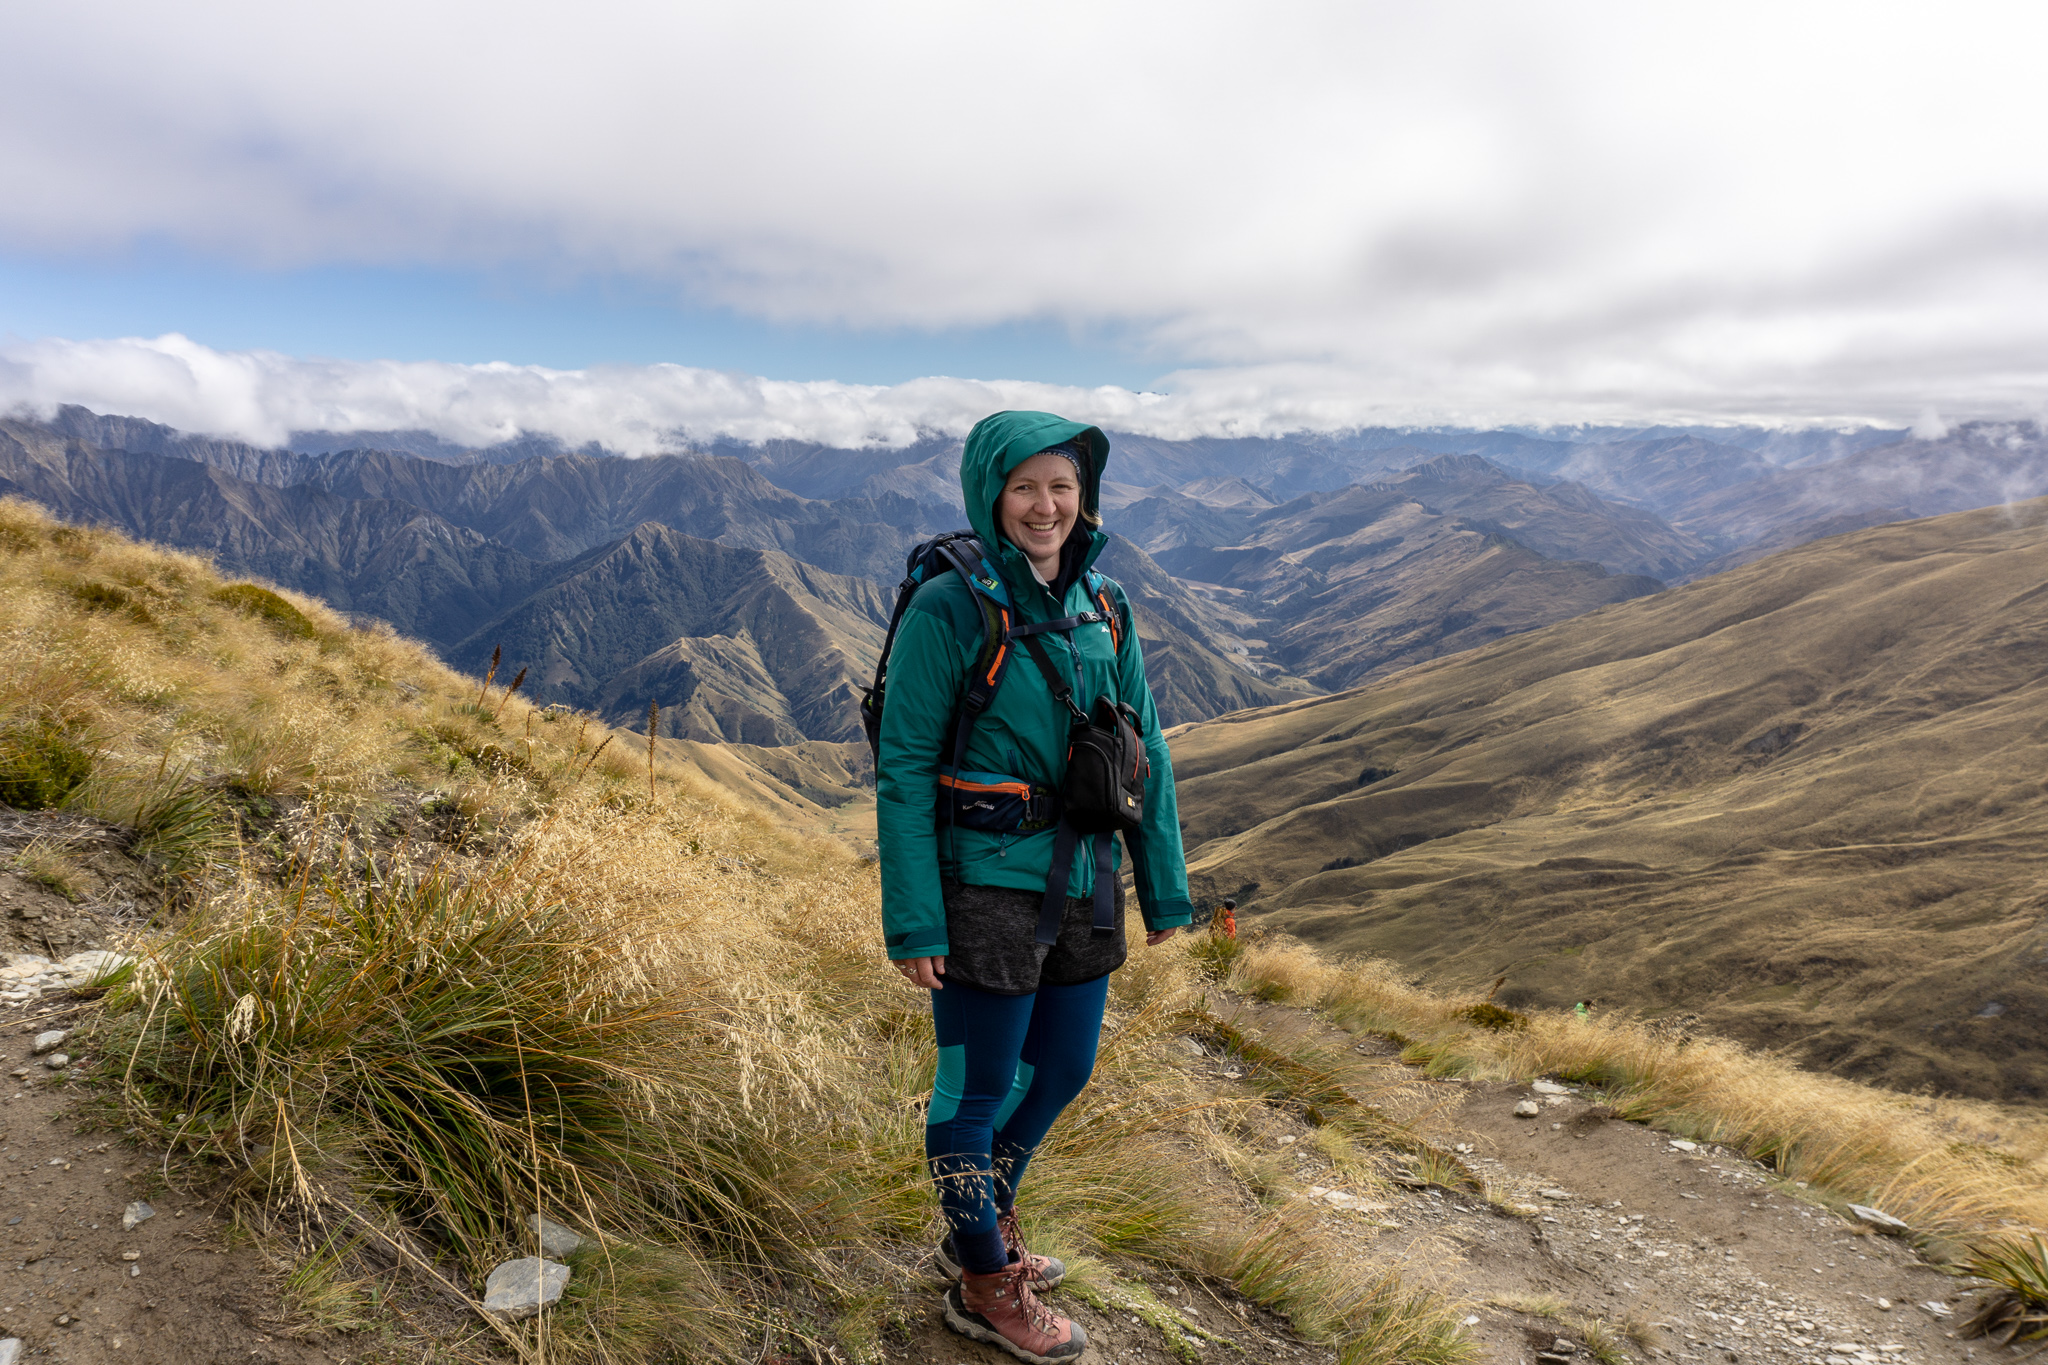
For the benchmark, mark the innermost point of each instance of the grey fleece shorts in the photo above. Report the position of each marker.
(992, 931)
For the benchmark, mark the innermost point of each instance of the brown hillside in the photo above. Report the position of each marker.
(1804, 800)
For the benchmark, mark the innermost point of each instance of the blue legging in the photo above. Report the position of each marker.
(1008, 1064)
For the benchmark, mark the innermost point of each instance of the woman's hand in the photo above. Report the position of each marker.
(923, 971)
(1159, 936)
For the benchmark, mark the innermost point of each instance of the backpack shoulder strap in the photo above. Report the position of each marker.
(1108, 596)
(992, 596)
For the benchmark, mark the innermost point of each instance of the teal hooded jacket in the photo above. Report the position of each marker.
(1023, 733)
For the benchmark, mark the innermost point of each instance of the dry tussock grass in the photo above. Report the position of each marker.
(442, 959)
(1958, 1171)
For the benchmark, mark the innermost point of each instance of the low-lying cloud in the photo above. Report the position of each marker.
(262, 397)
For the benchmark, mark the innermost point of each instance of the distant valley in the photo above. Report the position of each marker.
(1803, 799)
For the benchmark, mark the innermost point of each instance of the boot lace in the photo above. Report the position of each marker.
(1013, 1233)
(1042, 1319)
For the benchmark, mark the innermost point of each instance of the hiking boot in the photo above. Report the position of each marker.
(1001, 1310)
(1046, 1271)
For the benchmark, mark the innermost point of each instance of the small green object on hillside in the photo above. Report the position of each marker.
(269, 608)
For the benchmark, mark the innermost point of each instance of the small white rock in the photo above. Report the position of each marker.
(137, 1212)
(1285, 1139)
(1682, 1145)
(133, 1271)
(1528, 1109)
(57, 1061)
(10, 1350)
(45, 1041)
(519, 1289)
(131, 1255)
(1548, 1088)
(1556, 1194)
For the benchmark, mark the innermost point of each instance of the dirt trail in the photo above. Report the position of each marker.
(66, 1287)
(1721, 1259)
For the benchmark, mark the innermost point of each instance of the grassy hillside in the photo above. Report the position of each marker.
(423, 961)
(426, 961)
(1802, 800)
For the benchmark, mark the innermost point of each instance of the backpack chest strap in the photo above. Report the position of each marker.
(1086, 618)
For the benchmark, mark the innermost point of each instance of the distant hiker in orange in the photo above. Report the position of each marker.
(1224, 921)
(1018, 739)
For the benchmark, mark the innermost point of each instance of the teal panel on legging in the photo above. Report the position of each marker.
(1018, 1089)
(949, 1084)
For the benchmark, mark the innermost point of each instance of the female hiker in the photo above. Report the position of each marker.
(974, 903)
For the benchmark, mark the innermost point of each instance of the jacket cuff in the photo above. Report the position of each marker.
(938, 949)
(1169, 914)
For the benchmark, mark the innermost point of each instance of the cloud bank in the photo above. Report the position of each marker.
(1311, 212)
(262, 397)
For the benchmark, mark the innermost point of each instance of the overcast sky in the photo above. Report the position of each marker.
(623, 220)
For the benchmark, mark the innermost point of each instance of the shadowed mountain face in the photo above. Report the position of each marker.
(378, 557)
(1802, 799)
(736, 644)
(1197, 651)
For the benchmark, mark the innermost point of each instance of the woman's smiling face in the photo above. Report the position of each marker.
(1041, 502)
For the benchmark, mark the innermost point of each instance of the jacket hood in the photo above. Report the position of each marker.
(998, 444)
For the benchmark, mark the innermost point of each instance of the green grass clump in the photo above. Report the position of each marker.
(43, 760)
(2017, 1310)
(269, 608)
(180, 823)
(456, 1049)
(1493, 1018)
